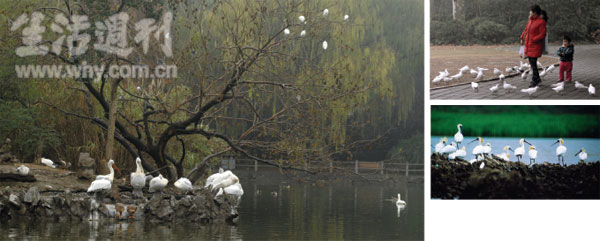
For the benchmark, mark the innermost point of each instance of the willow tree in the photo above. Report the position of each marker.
(243, 84)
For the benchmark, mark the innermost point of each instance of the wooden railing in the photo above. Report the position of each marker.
(394, 167)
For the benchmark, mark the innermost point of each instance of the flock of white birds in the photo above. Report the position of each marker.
(303, 20)
(482, 151)
(522, 68)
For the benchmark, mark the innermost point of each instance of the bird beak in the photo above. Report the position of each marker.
(526, 142)
(577, 152)
(554, 143)
(510, 149)
(116, 169)
(472, 141)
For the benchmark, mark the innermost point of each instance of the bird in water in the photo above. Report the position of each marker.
(399, 201)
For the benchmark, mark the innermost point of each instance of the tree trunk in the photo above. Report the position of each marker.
(112, 117)
(458, 10)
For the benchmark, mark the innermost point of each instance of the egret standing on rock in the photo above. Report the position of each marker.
(138, 178)
(582, 154)
(440, 145)
(532, 154)
(520, 151)
(560, 150)
(111, 175)
(458, 137)
(157, 183)
(183, 184)
(478, 150)
(506, 154)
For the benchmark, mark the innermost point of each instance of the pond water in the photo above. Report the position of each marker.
(296, 212)
(546, 151)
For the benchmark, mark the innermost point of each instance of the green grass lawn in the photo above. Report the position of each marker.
(517, 121)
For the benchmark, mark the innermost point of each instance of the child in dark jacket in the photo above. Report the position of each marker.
(566, 59)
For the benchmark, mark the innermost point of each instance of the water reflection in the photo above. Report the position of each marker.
(296, 212)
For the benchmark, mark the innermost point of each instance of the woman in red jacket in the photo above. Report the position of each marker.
(533, 39)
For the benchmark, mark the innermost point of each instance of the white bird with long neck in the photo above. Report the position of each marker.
(478, 150)
(111, 175)
(560, 150)
(458, 137)
(520, 151)
(399, 201)
(23, 170)
(582, 155)
(440, 145)
(138, 178)
(532, 155)
(157, 183)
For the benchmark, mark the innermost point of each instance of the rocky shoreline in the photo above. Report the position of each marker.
(498, 179)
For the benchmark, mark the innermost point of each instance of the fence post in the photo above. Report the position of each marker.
(255, 166)
(381, 167)
(356, 166)
(406, 169)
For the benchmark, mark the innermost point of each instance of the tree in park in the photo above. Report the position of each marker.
(245, 85)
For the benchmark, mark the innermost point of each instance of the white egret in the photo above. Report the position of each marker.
(325, 12)
(458, 137)
(560, 150)
(520, 151)
(138, 178)
(303, 33)
(157, 183)
(346, 17)
(440, 145)
(324, 45)
(399, 201)
(478, 150)
(111, 175)
(532, 154)
(301, 18)
(23, 170)
(582, 154)
(183, 184)
(286, 31)
(48, 162)
(475, 86)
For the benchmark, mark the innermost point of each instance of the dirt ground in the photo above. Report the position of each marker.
(489, 57)
(48, 179)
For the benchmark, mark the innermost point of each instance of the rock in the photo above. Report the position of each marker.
(86, 166)
(14, 200)
(32, 196)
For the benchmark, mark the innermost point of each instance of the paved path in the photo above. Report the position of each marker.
(586, 69)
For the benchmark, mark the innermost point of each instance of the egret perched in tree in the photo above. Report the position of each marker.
(303, 33)
(582, 154)
(346, 17)
(560, 150)
(286, 31)
(301, 18)
(324, 45)
(325, 12)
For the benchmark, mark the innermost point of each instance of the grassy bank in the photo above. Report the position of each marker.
(516, 121)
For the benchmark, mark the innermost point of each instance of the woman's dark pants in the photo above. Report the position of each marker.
(535, 78)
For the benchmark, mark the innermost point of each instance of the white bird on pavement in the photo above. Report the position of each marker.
(579, 85)
(464, 68)
(497, 71)
(446, 79)
(543, 73)
(479, 76)
(550, 68)
(539, 65)
(582, 155)
(592, 90)
(479, 69)
(560, 150)
(557, 84)
(508, 87)
(324, 45)
(475, 86)
(494, 88)
(23, 170)
(437, 79)
(501, 77)
(457, 76)
(48, 162)
(559, 88)
(520, 151)
(473, 72)
(458, 137)
(532, 154)
(157, 183)
(509, 70)
(530, 91)
(524, 75)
